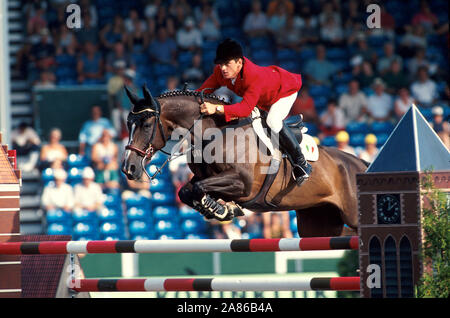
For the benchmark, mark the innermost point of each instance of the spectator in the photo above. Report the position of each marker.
(87, 8)
(58, 195)
(119, 54)
(88, 32)
(26, 142)
(123, 106)
(113, 33)
(329, 10)
(43, 52)
(274, 5)
(331, 32)
(424, 89)
(134, 21)
(255, 23)
(319, 70)
(194, 74)
(425, 18)
(115, 84)
(420, 60)
(309, 27)
(363, 50)
(304, 104)
(441, 127)
(276, 225)
(354, 103)
(332, 120)
(371, 150)
(189, 37)
(342, 140)
(151, 8)
(138, 38)
(385, 62)
(277, 20)
(290, 35)
(172, 84)
(46, 80)
(88, 194)
(209, 23)
(105, 161)
(163, 49)
(395, 78)
(413, 40)
(36, 21)
(92, 130)
(366, 75)
(90, 65)
(54, 150)
(66, 37)
(403, 102)
(379, 105)
(162, 20)
(387, 22)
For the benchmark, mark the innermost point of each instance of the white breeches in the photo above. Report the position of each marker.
(279, 111)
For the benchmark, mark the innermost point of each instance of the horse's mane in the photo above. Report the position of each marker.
(176, 93)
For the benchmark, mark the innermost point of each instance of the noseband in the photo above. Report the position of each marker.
(147, 154)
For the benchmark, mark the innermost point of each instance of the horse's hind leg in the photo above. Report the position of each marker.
(320, 221)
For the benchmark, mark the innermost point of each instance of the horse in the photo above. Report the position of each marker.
(325, 204)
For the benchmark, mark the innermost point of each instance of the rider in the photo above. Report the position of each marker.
(271, 88)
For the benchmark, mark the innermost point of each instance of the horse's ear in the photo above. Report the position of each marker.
(149, 98)
(133, 98)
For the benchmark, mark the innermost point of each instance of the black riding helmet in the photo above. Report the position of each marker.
(227, 50)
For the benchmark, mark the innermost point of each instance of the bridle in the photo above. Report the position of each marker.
(148, 153)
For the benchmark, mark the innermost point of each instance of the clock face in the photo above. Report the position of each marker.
(388, 208)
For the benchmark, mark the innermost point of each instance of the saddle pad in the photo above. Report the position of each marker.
(308, 144)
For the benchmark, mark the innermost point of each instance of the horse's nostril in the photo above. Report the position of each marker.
(132, 168)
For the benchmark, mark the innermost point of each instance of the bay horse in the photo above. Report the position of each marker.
(325, 204)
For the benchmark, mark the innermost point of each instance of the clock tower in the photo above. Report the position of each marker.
(390, 200)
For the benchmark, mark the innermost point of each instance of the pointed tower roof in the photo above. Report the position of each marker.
(412, 146)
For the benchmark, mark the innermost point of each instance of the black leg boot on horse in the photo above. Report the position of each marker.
(301, 168)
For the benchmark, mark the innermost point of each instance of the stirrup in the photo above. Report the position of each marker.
(305, 176)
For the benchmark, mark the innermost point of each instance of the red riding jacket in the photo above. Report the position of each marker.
(257, 85)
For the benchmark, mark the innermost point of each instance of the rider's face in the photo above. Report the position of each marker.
(231, 69)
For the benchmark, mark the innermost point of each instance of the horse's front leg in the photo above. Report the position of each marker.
(206, 192)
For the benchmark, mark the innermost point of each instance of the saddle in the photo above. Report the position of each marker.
(307, 144)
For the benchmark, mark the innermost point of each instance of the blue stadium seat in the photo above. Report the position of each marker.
(75, 176)
(109, 214)
(84, 216)
(77, 161)
(138, 213)
(82, 229)
(193, 226)
(161, 185)
(286, 55)
(111, 229)
(139, 228)
(307, 54)
(47, 176)
(312, 129)
(142, 237)
(319, 90)
(59, 229)
(337, 54)
(357, 140)
(426, 112)
(113, 201)
(320, 102)
(165, 172)
(328, 141)
(381, 127)
(163, 198)
(166, 227)
(58, 216)
(259, 43)
(171, 236)
(357, 128)
(341, 89)
(165, 212)
(196, 236)
(381, 139)
(186, 212)
(137, 200)
(158, 158)
(291, 66)
(293, 225)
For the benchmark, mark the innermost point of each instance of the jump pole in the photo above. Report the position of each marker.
(218, 284)
(181, 246)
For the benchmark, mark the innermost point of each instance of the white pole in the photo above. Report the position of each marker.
(5, 106)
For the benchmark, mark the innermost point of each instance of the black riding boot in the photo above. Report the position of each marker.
(301, 168)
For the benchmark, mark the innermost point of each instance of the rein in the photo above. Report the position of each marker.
(148, 153)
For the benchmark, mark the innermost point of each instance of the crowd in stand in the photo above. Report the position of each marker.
(353, 76)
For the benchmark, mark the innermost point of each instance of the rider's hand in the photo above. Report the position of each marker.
(208, 108)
